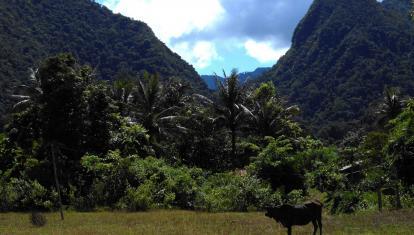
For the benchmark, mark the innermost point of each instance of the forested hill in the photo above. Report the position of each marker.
(344, 53)
(31, 30)
(402, 6)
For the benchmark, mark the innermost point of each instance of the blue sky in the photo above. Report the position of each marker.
(213, 35)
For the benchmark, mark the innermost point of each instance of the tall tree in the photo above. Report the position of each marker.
(121, 92)
(412, 10)
(63, 82)
(232, 110)
(269, 116)
(377, 163)
(401, 144)
(156, 107)
(58, 99)
(391, 107)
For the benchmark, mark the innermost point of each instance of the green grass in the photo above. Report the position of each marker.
(186, 222)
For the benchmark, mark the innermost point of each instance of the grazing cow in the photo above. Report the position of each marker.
(289, 215)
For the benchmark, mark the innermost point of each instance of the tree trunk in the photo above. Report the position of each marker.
(233, 144)
(57, 182)
(379, 194)
(398, 204)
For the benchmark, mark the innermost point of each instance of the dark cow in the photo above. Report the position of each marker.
(289, 215)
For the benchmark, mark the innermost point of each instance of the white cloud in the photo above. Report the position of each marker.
(111, 4)
(171, 18)
(263, 51)
(200, 54)
(194, 28)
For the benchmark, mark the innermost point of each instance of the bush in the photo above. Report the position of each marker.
(168, 186)
(407, 199)
(131, 139)
(347, 202)
(230, 192)
(280, 165)
(82, 202)
(139, 199)
(20, 194)
(295, 197)
(139, 184)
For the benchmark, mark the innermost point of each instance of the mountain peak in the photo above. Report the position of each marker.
(344, 53)
(346, 13)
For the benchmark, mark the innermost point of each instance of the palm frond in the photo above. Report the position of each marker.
(22, 105)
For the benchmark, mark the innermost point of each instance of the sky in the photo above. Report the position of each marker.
(217, 35)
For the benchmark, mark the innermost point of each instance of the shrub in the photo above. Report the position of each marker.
(139, 199)
(346, 202)
(82, 202)
(295, 197)
(230, 192)
(139, 184)
(20, 194)
(131, 139)
(169, 186)
(279, 164)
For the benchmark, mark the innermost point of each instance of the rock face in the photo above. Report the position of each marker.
(31, 30)
(344, 53)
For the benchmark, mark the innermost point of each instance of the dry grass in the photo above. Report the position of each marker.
(186, 222)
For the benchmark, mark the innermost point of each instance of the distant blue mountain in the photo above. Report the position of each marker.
(211, 80)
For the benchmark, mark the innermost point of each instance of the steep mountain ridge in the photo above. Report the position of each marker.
(31, 30)
(344, 53)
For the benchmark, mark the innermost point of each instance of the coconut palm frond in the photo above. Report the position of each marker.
(22, 105)
(203, 99)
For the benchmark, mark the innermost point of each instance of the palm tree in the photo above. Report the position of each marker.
(153, 108)
(121, 91)
(232, 95)
(29, 96)
(391, 107)
(269, 117)
(412, 10)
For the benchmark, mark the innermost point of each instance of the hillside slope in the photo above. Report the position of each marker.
(402, 6)
(344, 53)
(31, 30)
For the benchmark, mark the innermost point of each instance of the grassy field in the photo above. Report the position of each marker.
(185, 222)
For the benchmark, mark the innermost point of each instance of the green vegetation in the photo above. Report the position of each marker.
(343, 55)
(185, 222)
(147, 141)
(111, 43)
(140, 144)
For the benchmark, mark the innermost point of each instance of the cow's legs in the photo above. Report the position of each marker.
(315, 227)
(320, 225)
(290, 230)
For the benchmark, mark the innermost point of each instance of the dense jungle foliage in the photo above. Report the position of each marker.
(344, 54)
(137, 143)
(31, 30)
(144, 137)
